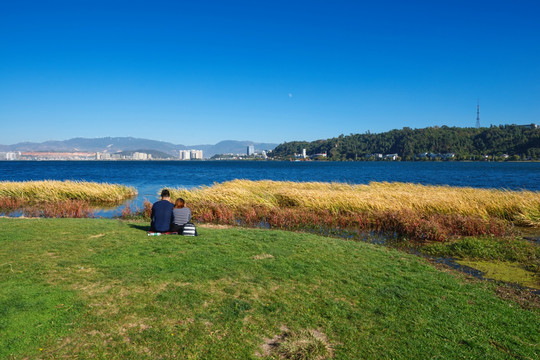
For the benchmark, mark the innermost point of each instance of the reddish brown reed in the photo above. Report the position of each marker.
(10, 203)
(404, 223)
(436, 227)
(147, 209)
(126, 212)
(60, 209)
(63, 208)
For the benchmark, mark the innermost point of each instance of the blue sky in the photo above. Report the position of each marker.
(197, 72)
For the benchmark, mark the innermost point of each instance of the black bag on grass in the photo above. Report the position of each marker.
(189, 230)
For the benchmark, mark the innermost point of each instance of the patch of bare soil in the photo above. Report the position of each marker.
(215, 226)
(303, 344)
(262, 256)
(524, 297)
(96, 236)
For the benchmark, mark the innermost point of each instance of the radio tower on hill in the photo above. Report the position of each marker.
(478, 114)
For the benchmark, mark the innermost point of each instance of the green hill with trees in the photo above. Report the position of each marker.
(510, 142)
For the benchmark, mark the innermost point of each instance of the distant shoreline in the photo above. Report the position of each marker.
(277, 160)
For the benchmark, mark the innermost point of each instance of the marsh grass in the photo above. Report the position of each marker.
(136, 213)
(522, 207)
(49, 191)
(488, 248)
(99, 288)
(60, 198)
(428, 213)
(510, 260)
(509, 272)
(57, 209)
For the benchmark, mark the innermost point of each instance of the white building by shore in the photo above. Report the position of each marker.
(190, 154)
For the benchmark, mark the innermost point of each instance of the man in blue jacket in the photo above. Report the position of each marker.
(162, 212)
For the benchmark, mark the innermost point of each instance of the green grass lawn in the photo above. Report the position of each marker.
(98, 288)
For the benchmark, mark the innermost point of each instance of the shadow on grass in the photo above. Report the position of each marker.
(140, 227)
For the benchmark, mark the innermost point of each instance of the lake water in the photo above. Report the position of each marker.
(148, 177)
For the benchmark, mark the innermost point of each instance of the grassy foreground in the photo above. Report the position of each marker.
(97, 288)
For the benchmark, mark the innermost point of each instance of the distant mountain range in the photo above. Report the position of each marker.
(120, 144)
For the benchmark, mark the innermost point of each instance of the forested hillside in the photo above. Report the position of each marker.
(499, 142)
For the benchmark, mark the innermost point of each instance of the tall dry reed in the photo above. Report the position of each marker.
(522, 207)
(49, 191)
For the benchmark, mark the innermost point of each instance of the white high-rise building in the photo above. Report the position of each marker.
(190, 154)
(250, 150)
(140, 156)
(12, 155)
(196, 154)
(184, 155)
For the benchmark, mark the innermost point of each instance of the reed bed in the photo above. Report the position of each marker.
(427, 213)
(522, 207)
(57, 209)
(49, 191)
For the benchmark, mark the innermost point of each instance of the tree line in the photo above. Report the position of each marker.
(512, 142)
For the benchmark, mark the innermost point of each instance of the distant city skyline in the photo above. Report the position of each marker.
(201, 72)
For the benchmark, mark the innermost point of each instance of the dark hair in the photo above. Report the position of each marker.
(165, 193)
(179, 203)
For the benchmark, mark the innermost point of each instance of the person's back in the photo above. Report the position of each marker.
(162, 213)
(181, 215)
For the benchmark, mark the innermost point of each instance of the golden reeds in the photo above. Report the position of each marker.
(519, 206)
(55, 191)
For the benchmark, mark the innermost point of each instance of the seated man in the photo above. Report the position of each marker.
(162, 213)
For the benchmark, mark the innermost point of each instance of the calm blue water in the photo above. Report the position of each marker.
(150, 176)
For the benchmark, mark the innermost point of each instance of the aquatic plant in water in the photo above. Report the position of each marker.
(416, 211)
(31, 192)
(59, 198)
(520, 206)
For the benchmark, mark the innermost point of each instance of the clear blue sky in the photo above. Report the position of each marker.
(197, 72)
